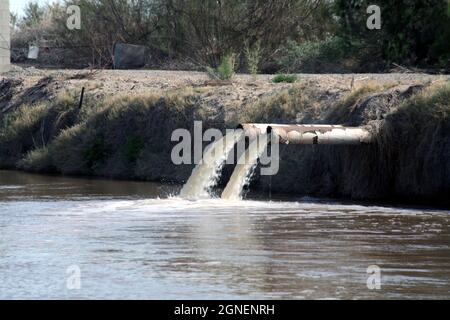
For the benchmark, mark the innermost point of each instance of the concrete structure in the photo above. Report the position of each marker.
(5, 54)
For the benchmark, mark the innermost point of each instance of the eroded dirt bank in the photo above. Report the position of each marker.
(124, 125)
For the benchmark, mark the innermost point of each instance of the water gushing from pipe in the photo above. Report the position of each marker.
(245, 168)
(206, 174)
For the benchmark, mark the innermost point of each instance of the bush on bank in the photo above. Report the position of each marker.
(307, 36)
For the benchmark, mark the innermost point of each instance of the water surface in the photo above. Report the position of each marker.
(131, 240)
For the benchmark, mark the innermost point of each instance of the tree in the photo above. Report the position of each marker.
(413, 31)
(210, 29)
(33, 14)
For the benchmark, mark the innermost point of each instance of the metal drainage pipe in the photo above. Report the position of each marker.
(310, 133)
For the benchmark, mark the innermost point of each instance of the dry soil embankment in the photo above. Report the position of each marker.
(123, 128)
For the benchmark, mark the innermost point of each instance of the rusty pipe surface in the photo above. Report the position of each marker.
(252, 130)
(310, 133)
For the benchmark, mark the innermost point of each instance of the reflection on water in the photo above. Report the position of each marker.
(44, 187)
(130, 244)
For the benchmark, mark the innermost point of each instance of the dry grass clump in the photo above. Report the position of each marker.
(32, 127)
(111, 137)
(23, 121)
(340, 112)
(432, 103)
(415, 143)
(288, 106)
(37, 160)
(20, 132)
(367, 102)
(116, 134)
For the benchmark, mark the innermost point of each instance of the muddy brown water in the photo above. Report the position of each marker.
(133, 240)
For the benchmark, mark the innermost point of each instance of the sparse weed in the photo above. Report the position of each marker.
(253, 57)
(225, 71)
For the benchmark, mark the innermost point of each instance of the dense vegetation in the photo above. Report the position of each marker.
(263, 35)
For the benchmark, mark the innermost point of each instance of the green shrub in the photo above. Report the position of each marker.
(133, 149)
(96, 153)
(309, 55)
(226, 70)
(289, 78)
(253, 57)
(37, 160)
